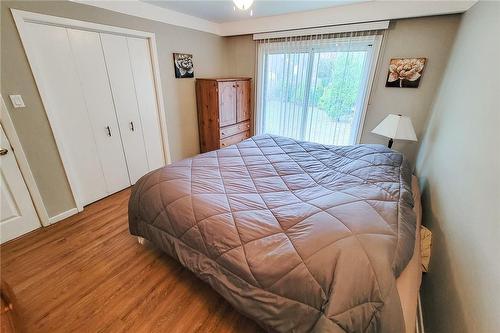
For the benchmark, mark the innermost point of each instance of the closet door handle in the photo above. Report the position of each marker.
(109, 130)
(132, 126)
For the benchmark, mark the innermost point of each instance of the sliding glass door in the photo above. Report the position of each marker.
(315, 89)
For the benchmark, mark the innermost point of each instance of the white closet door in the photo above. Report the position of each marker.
(122, 85)
(142, 69)
(91, 68)
(50, 52)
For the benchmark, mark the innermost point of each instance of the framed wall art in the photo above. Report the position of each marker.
(405, 72)
(184, 67)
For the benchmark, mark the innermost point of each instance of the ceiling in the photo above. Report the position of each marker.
(221, 11)
(218, 17)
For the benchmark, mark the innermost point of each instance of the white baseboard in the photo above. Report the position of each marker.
(62, 215)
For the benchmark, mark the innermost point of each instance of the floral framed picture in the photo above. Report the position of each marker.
(405, 72)
(183, 64)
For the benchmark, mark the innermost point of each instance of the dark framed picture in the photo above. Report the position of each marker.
(183, 64)
(405, 72)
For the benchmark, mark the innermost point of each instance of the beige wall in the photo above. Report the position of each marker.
(430, 37)
(458, 166)
(241, 51)
(214, 56)
(31, 122)
(242, 55)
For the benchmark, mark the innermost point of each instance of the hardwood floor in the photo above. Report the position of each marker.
(88, 274)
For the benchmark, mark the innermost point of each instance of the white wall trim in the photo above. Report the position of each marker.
(63, 215)
(348, 14)
(23, 17)
(380, 25)
(374, 65)
(159, 98)
(369, 11)
(151, 12)
(23, 164)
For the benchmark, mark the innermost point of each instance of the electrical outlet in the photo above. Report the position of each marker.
(17, 101)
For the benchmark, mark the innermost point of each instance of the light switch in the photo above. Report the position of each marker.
(17, 101)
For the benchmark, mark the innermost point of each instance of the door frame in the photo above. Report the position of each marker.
(21, 18)
(22, 163)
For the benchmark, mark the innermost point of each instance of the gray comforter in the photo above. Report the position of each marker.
(296, 235)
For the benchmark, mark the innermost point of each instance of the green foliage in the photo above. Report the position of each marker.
(339, 83)
(336, 80)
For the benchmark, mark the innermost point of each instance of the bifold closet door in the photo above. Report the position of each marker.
(120, 74)
(142, 70)
(100, 97)
(50, 53)
(91, 68)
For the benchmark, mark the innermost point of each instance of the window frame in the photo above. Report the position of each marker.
(261, 60)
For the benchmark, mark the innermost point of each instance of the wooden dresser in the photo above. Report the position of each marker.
(224, 111)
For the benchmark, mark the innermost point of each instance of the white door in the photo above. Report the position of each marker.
(74, 79)
(121, 77)
(142, 69)
(49, 50)
(99, 93)
(17, 214)
(91, 68)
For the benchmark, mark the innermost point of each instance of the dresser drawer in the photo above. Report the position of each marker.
(234, 139)
(231, 130)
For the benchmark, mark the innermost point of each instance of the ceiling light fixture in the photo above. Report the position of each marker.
(243, 4)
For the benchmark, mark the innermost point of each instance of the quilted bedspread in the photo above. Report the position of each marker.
(296, 235)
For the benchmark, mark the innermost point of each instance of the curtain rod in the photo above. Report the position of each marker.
(379, 25)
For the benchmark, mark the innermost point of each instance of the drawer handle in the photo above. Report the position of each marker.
(132, 126)
(3, 151)
(109, 130)
(223, 133)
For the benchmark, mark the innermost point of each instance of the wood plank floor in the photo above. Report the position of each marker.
(88, 274)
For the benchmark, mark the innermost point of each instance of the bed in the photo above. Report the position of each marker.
(408, 282)
(295, 235)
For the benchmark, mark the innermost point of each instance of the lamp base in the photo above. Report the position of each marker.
(391, 141)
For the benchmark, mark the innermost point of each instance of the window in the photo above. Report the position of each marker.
(315, 88)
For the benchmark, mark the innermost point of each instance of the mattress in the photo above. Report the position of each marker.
(408, 283)
(296, 235)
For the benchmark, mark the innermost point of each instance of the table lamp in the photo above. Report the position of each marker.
(396, 127)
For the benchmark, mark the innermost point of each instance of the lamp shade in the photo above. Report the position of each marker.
(396, 126)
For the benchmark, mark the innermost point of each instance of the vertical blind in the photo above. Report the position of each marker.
(314, 88)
